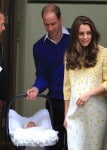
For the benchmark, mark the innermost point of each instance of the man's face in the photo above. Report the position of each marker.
(52, 25)
(2, 23)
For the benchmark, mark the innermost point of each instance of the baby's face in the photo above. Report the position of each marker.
(30, 124)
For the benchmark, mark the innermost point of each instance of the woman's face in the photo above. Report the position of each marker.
(84, 35)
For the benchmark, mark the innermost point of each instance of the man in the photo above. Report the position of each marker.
(48, 55)
(2, 22)
(2, 29)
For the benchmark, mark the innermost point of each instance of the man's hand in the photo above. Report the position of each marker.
(32, 93)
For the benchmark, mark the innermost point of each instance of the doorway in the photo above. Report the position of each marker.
(8, 49)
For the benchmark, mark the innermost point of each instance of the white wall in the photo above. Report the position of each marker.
(31, 29)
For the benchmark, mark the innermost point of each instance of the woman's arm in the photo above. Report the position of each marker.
(82, 100)
(66, 110)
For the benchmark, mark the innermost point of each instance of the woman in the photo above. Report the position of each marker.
(85, 88)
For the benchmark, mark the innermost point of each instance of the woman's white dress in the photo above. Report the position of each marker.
(87, 125)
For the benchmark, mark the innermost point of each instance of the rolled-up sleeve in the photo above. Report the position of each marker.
(66, 85)
(104, 67)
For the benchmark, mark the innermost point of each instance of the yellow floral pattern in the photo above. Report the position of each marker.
(86, 126)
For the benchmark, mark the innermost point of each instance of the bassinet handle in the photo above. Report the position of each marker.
(17, 97)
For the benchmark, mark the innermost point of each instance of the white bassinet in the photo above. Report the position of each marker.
(41, 135)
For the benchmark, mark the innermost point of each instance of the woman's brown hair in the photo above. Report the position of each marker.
(75, 52)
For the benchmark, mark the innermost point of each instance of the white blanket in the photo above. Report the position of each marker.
(41, 135)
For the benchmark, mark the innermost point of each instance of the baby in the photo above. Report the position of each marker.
(30, 124)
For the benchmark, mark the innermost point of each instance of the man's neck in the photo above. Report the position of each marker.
(57, 38)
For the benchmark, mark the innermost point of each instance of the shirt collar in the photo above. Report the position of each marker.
(64, 31)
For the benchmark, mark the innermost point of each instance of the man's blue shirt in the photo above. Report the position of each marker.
(49, 63)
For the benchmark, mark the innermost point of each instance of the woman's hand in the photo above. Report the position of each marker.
(82, 100)
(65, 123)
